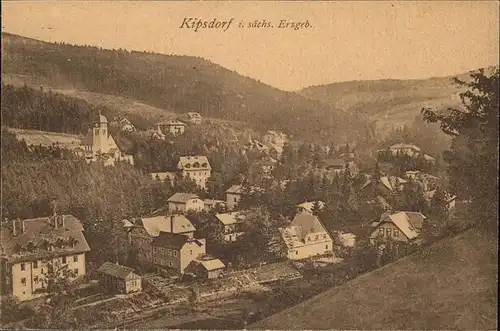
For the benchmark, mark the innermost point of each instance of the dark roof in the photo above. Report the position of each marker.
(116, 270)
(40, 231)
(172, 240)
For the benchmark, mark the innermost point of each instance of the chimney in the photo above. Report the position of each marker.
(14, 230)
(172, 223)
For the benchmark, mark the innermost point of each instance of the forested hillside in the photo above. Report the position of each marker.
(178, 83)
(391, 102)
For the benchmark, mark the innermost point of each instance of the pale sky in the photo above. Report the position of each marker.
(347, 40)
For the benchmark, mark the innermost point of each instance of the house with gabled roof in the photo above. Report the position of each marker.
(174, 127)
(235, 193)
(406, 149)
(401, 226)
(196, 168)
(144, 234)
(184, 202)
(176, 251)
(232, 225)
(119, 279)
(305, 237)
(171, 223)
(30, 247)
(384, 186)
(206, 267)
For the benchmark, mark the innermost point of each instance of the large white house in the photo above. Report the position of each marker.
(401, 226)
(183, 202)
(306, 237)
(195, 167)
(33, 250)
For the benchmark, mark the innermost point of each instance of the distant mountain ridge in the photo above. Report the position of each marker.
(338, 112)
(390, 102)
(178, 84)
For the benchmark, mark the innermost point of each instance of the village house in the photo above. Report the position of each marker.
(194, 117)
(33, 250)
(404, 149)
(339, 166)
(157, 133)
(99, 144)
(143, 232)
(176, 251)
(308, 206)
(195, 167)
(385, 186)
(232, 225)
(118, 279)
(401, 226)
(171, 223)
(174, 127)
(206, 267)
(184, 202)
(306, 237)
(124, 124)
(234, 195)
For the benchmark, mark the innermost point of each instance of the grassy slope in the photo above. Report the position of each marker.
(450, 285)
(35, 137)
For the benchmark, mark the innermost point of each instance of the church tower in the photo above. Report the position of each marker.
(100, 135)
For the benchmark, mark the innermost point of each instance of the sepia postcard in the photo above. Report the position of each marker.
(265, 165)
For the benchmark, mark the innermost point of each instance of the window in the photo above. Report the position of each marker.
(75, 272)
(326, 247)
(396, 233)
(64, 260)
(35, 264)
(296, 252)
(388, 232)
(175, 253)
(35, 279)
(190, 252)
(96, 132)
(381, 231)
(23, 281)
(23, 266)
(75, 258)
(154, 249)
